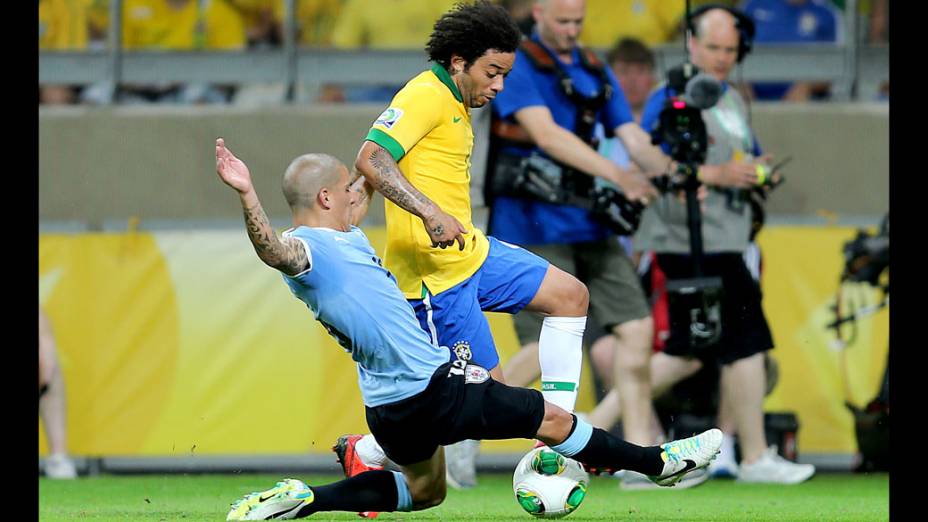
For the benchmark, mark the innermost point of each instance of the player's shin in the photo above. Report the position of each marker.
(599, 449)
(560, 354)
(378, 490)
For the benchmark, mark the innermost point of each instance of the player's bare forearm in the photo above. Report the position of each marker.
(365, 192)
(286, 255)
(380, 169)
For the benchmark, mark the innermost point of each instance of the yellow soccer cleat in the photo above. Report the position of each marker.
(281, 502)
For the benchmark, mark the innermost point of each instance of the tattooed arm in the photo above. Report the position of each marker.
(287, 255)
(383, 174)
(365, 192)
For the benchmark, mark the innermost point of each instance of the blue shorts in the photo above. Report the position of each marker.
(506, 282)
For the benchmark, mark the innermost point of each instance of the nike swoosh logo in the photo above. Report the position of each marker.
(456, 119)
(690, 466)
(262, 499)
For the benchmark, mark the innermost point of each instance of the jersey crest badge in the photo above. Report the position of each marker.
(462, 350)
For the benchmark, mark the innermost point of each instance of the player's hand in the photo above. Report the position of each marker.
(444, 230)
(637, 187)
(738, 174)
(232, 171)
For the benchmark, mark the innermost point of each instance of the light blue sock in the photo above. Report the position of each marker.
(577, 440)
(404, 497)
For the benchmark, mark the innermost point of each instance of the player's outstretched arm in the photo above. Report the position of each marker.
(365, 192)
(382, 172)
(287, 255)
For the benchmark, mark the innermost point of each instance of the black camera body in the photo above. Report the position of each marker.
(543, 179)
(681, 127)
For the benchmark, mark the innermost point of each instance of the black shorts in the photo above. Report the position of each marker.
(457, 405)
(745, 331)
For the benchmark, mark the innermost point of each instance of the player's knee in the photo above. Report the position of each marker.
(574, 297)
(556, 425)
(430, 497)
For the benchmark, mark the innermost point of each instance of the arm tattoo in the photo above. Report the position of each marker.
(286, 256)
(394, 186)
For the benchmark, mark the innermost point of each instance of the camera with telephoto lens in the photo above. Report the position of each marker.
(681, 128)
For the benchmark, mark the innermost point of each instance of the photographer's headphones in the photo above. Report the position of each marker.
(743, 24)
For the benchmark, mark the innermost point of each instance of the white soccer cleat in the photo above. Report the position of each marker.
(771, 468)
(281, 502)
(685, 455)
(634, 481)
(461, 464)
(60, 466)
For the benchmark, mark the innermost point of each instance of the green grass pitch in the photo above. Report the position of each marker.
(857, 497)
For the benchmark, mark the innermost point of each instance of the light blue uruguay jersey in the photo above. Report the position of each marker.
(360, 305)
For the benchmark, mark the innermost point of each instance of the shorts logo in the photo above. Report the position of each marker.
(474, 374)
(389, 117)
(462, 350)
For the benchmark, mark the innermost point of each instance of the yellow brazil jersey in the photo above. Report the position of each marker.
(654, 22)
(427, 130)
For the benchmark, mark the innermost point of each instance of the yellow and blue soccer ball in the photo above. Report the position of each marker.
(549, 485)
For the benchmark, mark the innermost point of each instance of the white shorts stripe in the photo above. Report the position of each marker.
(428, 318)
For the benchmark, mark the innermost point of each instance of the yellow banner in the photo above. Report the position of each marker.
(801, 266)
(184, 343)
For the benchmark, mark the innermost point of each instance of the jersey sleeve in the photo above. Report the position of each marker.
(309, 254)
(519, 89)
(617, 112)
(413, 113)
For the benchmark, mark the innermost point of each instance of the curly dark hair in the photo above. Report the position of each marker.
(470, 30)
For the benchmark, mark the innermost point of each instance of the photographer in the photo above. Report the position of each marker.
(543, 124)
(720, 38)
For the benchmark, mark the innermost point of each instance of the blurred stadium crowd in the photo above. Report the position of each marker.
(237, 25)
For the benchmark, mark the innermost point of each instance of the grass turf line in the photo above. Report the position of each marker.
(827, 497)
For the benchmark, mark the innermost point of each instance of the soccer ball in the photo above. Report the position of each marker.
(549, 485)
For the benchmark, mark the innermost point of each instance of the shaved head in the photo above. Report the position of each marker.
(714, 21)
(306, 176)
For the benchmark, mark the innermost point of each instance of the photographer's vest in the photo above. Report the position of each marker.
(510, 134)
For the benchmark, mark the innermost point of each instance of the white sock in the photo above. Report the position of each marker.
(370, 452)
(560, 353)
